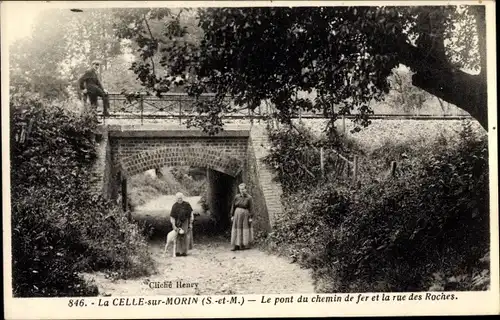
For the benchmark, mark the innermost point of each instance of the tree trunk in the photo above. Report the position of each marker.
(466, 91)
(434, 74)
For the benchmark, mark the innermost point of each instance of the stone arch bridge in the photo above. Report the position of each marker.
(231, 157)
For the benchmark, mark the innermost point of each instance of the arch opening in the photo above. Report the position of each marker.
(211, 158)
(210, 184)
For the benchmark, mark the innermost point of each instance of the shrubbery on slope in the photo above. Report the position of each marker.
(427, 228)
(60, 226)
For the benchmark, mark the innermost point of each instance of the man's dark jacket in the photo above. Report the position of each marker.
(90, 81)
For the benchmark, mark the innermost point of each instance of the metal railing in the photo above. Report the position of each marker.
(177, 106)
(180, 106)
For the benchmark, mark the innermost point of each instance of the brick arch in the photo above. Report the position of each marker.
(212, 158)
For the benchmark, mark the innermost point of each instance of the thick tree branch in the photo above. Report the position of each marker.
(152, 39)
(466, 91)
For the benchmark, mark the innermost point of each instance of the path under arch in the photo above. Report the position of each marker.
(216, 270)
(211, 264)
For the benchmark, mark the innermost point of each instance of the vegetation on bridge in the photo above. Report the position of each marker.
(348, 56)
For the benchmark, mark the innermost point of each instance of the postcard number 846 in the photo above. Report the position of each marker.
(77, 303)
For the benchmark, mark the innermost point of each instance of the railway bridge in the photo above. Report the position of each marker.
(149, 132)
(230, 157)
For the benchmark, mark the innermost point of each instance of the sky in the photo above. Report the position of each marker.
(18, 18)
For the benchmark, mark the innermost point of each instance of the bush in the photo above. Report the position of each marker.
(306, 224)
(60, 226)
(193, 187)
(295, 156)
(144, 188)
(427, 228)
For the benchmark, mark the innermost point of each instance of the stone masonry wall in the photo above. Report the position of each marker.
(239, 156)
(140, 154)
(103, 167)
(261, 214)
(130, 146)
(261, 177)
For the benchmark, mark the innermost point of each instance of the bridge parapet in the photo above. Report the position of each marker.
(180, 106)
(172, 130)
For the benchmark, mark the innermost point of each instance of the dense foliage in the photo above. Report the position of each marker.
(377, 237)
(167, 181)
(61, 46)
(60, 225)
(295, 155)
(345, 54)
(194, 187)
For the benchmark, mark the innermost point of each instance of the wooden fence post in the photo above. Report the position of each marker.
(22, 134)
(30, 126)
(124, 198)
(141, 105)
(393, 168)
(180, 112)
(322, 161)
(343, 123)
(355, 169)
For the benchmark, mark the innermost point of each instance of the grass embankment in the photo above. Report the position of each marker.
(425, 227)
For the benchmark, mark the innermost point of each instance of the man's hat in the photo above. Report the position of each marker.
(96, 62)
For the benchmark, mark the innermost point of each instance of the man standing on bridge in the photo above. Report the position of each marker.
(90, 84)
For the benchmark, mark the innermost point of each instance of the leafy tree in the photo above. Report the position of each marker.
(118, 77)
(90, 36)
(60, 48)
(345, 53)
(155, 30)
(34, 61)
(403, 95)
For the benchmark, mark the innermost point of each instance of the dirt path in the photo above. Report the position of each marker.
(216, 270)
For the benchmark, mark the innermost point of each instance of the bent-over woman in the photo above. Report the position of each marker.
(241, 217)
(180, 217)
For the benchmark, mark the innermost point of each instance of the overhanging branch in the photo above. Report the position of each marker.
(466, 91)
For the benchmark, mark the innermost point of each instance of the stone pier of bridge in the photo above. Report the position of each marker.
(230, 157)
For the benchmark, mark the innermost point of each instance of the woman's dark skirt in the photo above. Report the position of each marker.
(242, 230)
(182, 243)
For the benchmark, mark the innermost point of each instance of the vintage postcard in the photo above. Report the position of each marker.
(249, 159)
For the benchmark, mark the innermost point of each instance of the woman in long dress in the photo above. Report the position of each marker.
(180, 217)
(241, 217)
